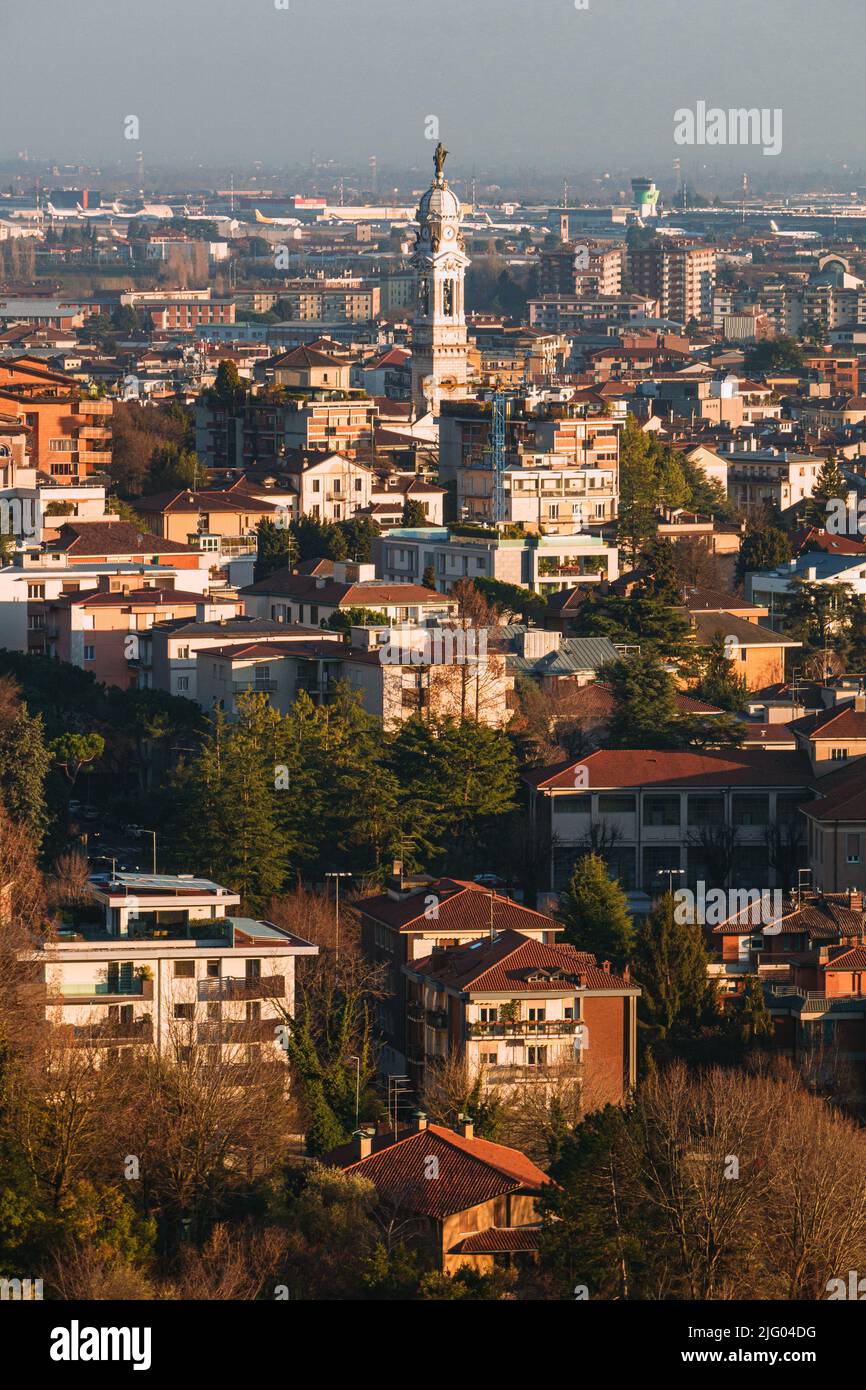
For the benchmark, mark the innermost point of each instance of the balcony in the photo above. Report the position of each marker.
(245, 1072)
(230, 987)
(102, 457)
(257, 687)
(528, 1028)
(244, 1030)
(436, 1018)
(99, 992)
(93, 407)
(111, 1032)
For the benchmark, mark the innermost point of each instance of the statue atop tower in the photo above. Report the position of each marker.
(440, 367)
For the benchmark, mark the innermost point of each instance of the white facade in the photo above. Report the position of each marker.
(171, 968)
(440, 367)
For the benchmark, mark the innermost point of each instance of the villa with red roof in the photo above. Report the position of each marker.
(476, 1202)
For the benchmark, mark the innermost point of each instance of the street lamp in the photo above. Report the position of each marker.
(671, 873)
(152, 834)
(336, 876)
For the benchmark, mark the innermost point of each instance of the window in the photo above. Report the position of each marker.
(184, 1011)
(183, 653)
(609, 805)
(749, 809)
(183, 682)
(184, 969)
(852, 849)
(488, 1015)
(35, 591)
(536, 1056)
(212, 970)
(580, 805)
(706, 810)
(661, 811)
(489, 1059)
(536, 1015)
(838, 755)
(89, 653)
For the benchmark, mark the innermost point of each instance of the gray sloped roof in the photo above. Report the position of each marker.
(573, 654)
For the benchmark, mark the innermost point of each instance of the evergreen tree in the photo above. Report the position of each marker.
(646, 711)
(319, 540)
(830, 485)
(228, 387)
(275, 549)
(638, 490)
(413, 513)
(756, 1021)
(719, 684)
(24, 765)
(671, 969)
(762, 549)
(428, 578)
(594, 911)
(662, 583)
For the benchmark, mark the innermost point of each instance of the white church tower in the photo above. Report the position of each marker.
(439, 344)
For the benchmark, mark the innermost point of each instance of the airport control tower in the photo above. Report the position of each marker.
(645, 197)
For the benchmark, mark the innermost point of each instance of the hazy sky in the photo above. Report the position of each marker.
(531, 83)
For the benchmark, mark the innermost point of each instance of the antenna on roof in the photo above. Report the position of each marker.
(492, 900)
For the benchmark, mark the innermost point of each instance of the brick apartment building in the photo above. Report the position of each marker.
(69, 432)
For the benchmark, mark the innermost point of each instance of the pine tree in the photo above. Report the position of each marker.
(638, 490)
(645, 713)
(719, 683)
(594, 911)
(756, 1021)
(671, 969)
(830, 485)
(662, 583)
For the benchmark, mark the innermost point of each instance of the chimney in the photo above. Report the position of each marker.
(855, 899)
(420, 1121)
(465, 1127)
(363, 1143)
(581, 979)
(605, 965)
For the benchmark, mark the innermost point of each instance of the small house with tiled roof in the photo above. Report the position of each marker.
(475, 1202)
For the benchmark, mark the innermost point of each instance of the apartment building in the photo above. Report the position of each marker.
(225, 515)
(661, 811)
(260, 433)
(345, 299)
(575, 268)
(836, 825)
(416, 914)
(171, 966)
(83, 555)
(542, 492)
(185, 315)
(398, 672)
(522, 1011)
(544, 564)
(314, 598)
(582, 432)
(680, 275)
(69, 433)
(575, 314)
(100, 629)
(169, 647)
(775, 477)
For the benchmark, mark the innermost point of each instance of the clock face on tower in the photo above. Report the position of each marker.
(449, 233)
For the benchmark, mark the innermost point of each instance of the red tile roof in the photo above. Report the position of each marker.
(462, 907)
(634, 767)
(471, 1171)
(81, 538)
(304, 588)
(513, 962)
(498, 1239)
(840, 721)
(855, 959)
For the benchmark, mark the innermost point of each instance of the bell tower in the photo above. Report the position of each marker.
(439, 341)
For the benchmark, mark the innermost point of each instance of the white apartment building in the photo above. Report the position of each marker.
(547, 492)
(171, 966)
(544, 564)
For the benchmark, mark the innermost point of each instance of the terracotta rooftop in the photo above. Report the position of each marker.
(471, 1171)
(461, 906)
